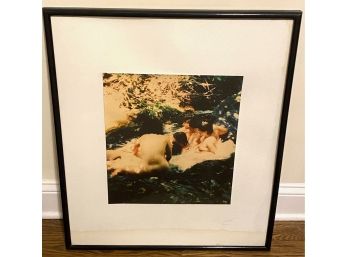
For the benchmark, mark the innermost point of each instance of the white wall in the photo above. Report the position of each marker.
(293, 163)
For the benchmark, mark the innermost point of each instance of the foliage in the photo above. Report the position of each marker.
(159, 104)
(150, 119)
(181, 92)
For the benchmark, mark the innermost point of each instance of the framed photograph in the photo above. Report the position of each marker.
(170, 124)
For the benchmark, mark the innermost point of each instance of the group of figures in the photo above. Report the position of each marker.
(198, 137)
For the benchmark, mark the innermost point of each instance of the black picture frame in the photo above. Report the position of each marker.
(293, 15)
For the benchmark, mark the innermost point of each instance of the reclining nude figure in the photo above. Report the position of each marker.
(150, 152)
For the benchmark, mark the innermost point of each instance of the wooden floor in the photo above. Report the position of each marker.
(288, 240)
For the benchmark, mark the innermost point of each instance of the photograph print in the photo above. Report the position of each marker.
(170, 139)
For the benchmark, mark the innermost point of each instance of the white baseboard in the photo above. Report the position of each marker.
(291, 201)
(51, 205)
